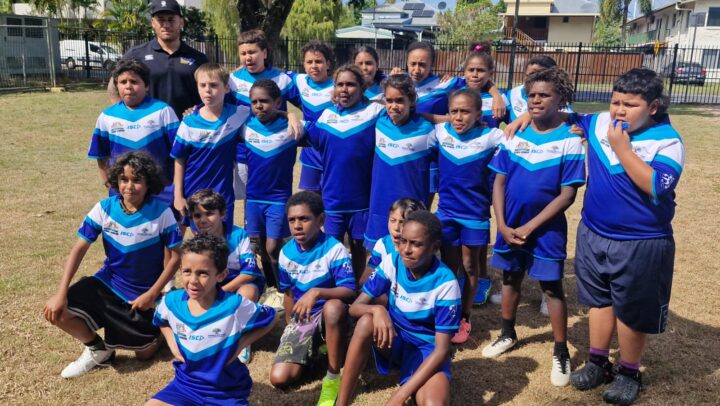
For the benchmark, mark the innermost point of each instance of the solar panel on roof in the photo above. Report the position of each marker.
(428, 13)
(408, 6)
(417, 13)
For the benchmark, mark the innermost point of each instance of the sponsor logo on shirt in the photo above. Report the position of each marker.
(144, 232)
(382, 142)
(149, 57)
(448, 142)
(554, 149)
(522, 148)
(187, 61)
(216, 333)
(666, 180)
(332, 119)
(409, 147)
(111, 227)
(181, 331)
(151, 125)
(117, 128)
(518, 106)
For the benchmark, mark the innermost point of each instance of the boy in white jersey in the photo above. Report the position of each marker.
(414, 329)
(135, 122)
(136, 227)
(625, 249)
(205, 328)
(318, 281)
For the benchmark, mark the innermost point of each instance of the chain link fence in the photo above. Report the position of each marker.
(37, 54)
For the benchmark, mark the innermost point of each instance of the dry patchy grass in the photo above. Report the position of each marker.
(48, 186)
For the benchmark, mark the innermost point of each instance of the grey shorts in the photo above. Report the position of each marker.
(300, 341)
(633, 276)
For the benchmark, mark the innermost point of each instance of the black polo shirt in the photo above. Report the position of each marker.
(171, 75)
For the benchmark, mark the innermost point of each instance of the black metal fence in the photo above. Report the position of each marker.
(75, 56)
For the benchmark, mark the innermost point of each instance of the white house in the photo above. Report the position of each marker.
(670, 24)
(552, 21)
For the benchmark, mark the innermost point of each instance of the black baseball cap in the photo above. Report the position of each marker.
(170, 6)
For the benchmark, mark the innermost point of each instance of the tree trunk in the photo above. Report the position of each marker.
(267, 15)
(623, 32)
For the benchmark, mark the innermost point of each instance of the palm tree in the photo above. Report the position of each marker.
(129, 16)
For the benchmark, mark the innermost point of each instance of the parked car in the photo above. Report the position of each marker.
(687, 72)
(73, 54)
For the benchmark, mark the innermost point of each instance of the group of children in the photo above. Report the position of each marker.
(376, 150)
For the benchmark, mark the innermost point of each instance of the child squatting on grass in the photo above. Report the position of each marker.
(206, 328)
(625, 250)
(135, 228)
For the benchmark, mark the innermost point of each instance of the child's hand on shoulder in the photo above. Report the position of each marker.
(574, 129)
(396, 71)
(303, 307)
(383, 329)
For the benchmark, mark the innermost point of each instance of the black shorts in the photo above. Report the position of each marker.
(634, 277)
(96, 304)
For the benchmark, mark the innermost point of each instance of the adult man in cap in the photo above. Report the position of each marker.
(172, 63)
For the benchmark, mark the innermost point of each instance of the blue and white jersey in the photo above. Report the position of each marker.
(325, 265)
(242, 259)
(383, 247)
(345, 139)
(209, 342)
(519, 103)
(150, 127)
(209, 148)
(271, 158)
(432, 94)
(240, 83)
(313, 98)
(536, 167)
(418, 307)
(134, 243)
(401, 167)
(375, 92)
(487, 113)
(465, 189)
(614, 206)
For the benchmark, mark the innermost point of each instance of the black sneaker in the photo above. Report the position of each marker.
(623, 390)
(591, 375)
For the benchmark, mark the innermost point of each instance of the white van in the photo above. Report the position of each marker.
(73, 52)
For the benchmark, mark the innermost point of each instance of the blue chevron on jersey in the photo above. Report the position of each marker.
(411, 141)
(241, 260)
(242, 80)
(209, 342)
(517, 97)
(325, 265)
(383, 247)
(134, 243)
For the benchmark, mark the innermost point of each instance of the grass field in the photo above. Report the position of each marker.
(48, 186)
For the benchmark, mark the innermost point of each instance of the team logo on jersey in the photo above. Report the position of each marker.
(117, 127)
(382, 142)
(518, 106)
(554, 149)
(187, 61)
(243, 88)
(422, 301)
(522, 148)
(149, 57)
(332, 118)
(181, 331)
(144, 232)
(111, 227)
(254, 139)
(637, 150)
(151, 125)
(305, 93)
(216, 333)
(356, 117)
(204, 135)
(409, 147)
(666, 180)
(448, 142)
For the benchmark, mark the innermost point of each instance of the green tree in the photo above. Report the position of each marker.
(614, 13)
(129, 16)
(470, 21)
(196, 23)
(6, 6)
(313, 19)
(230, 17)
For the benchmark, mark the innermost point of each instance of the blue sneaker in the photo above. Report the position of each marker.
(483, 291)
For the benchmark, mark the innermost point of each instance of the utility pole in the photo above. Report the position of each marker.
(513, 45)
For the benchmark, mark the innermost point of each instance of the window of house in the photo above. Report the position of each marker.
(711, 58)
(540, 22)
(674, 20)
(713, 18)
(566, 19)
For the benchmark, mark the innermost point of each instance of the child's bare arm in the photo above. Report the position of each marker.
(179, 180)
(498, 203)
(639, 172)
(498, 104)
(558, 205)
(236, 283)
(103, 168)
(303, 307)
(383, 329)
(425, 371)
(436, 118)
(288, 303)
(57, 304)
(171, 343)
(147, 299)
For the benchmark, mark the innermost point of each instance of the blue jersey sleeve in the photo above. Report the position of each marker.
(448, 308)
(500, 162)
(100, 142)
(583, 121)
(341, 269)
(170, 235)
(252, 316)
(160, 318)
(293, 94)
(285, 282)
(376, 255)
(573, 163)
(91, 228)
(248, 263)
(182, 148)
(667, 167)
(378, 283)
(171, 124)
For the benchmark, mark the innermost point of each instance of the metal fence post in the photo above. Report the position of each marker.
(217, 48)
(51, 57)
(513, 44)
(672, 71)
(87, 54)
(577, 66)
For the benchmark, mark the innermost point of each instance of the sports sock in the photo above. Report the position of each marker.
(331, 375)
(96, 344)
(599, 356)
(629, 369)
(508, 328)
(561, 349)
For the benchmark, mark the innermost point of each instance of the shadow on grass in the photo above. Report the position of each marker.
(484, 381)
(126, 363)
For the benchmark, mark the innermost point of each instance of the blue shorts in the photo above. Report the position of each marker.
(457, 231)
(377, 228)
(178, 394)
(266, 220)
(407, 357)
(634, 277)
(543, 270)
(354, 223)
(434, 178)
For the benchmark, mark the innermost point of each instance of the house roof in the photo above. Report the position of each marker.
(558, 8)
(660, 5)
(363, 32)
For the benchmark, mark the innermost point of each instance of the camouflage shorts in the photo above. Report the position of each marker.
(300, 341)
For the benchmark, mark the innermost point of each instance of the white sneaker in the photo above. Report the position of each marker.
(245, 355)
(88, 360)
(499, 346)
(496, 297)
(543, 306)
(560, 373)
